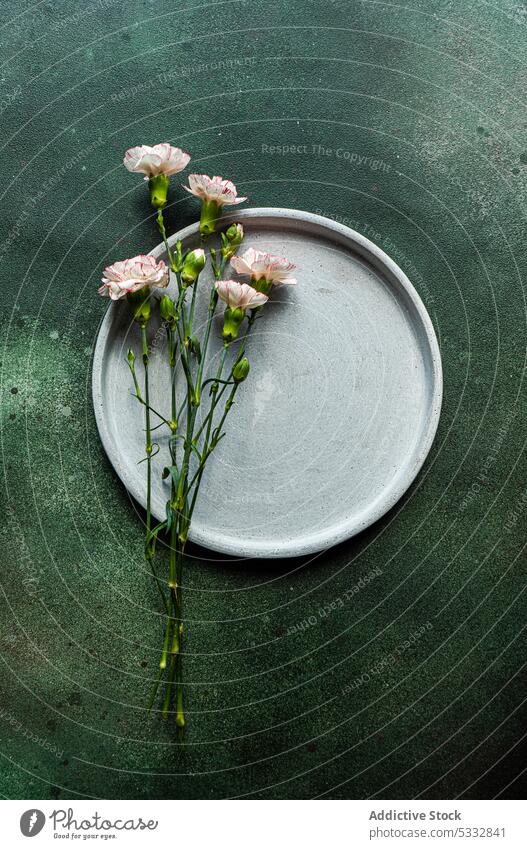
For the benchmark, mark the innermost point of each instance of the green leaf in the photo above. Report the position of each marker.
(170, 516)
(151, 539)
(195, 347)
(172, 471)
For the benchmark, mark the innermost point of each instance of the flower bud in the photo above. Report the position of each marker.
(193, 265)
(234, 234)
(158, 186)
(210, 210)
(231, 240)
(232, 319)
(241, 370)
(167, 309)
(140, 305)
(131, 358)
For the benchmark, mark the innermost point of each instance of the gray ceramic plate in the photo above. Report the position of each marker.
(339, 411)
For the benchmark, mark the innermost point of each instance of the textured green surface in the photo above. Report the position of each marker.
(432, 93)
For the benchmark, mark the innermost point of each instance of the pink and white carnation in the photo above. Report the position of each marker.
(239, 295)
(223, 192)
(130, 275)
(262, 266)
(159, 159)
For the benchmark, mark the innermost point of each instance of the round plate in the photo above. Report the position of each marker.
(337, 415)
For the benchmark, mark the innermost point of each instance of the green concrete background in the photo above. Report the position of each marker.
(412, 686)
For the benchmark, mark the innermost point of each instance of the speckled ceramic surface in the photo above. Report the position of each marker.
(339, 411)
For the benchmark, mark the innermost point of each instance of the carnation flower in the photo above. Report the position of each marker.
(157, 163)
(130, 275)
(159, 159)
(239, 295)
(264, 269)
(222, 192)
(215, 193)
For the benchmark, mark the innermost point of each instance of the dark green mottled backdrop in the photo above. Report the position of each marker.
(405, 120)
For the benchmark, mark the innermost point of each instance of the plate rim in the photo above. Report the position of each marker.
(320, 540)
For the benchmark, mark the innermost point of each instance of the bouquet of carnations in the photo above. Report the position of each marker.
(191, 440)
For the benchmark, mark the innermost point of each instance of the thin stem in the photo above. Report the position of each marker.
(172, 577)
(207, 450)
(228, 404)
(210, 415)
(193, 303)
(180, 712)
(148, 449)
(166, 641)
(155, 688)
(161, 226)
(152, 410)
(179, 503)
(214, 391)
(212, 306)
(172, 343)
(178, 639)
(183, 349)
(158, 583)
(170, 684)
(131, 366)
(148, 446)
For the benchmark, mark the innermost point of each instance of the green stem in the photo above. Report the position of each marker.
(178, 637)
(152, 410)
(161, 226)
(177, 550)
(208, 449)
(166, 641)
(155, 688)
(131, 366)
(184, 353)
(172, 577)
(168, 692)
(148, 446)
(148, 449)
(148, 408)
(212, 306)
(172, 633)
(207, 422)
(181, 510)
(216, 396)
(193, 303)
(180, 712)
(172, 342)
(228, 404)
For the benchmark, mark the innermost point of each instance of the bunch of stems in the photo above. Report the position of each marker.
(190, 446)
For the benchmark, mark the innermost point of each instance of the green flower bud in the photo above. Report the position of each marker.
(193, 265)
(167, 309)
(232, 319)
(158, 186)
(234, 233)
(131, 358)
(231, 240)
(210, 211)
(139, 303)
(241, 370)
